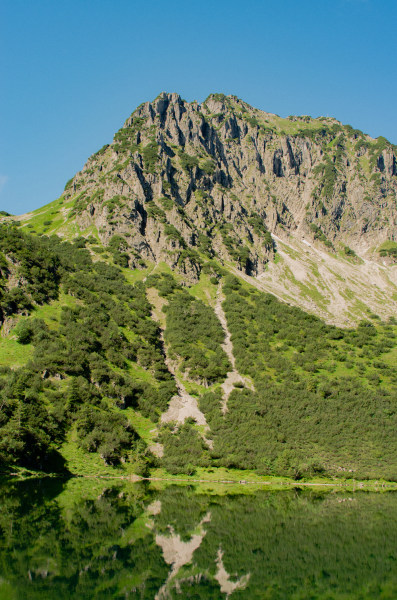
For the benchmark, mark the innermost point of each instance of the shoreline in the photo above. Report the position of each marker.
(373, 485)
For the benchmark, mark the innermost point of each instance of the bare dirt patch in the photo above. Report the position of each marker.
(233, 377)
(183, 405)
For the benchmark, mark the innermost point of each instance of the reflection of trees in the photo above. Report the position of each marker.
(181, 509)
(179, 553)
(304, 544)
(291, 542)
(183, 521)
(80, 539)
(83, 551)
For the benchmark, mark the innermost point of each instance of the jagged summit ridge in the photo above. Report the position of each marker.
(184, 183)
(238, 162)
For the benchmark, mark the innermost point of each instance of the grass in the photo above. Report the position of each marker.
(50, 212)
(141, 374)
(308, 290)
(388, 245)
(51, 313)
(91, 231)
(360, 308)
(277, 258)
(138, 530)
(135, 275)
(204, 290)
(81, 488)
(136, 371)
(364, 163)
(353, 260)
(90, 464)
(192, 387)
(8, 591)
(13, 354)
(145, 428)
(235, 478)
(162, 267)
(290, 127)
(290, 251)
(83, 463)
(391, 357)
(217, 480)
(157, 303)
(36, 220)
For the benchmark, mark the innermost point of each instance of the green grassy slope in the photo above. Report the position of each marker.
(84, 381)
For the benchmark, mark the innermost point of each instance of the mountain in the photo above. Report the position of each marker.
(152, 315)
(183, 181)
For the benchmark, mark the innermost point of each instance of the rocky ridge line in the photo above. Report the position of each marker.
(230, 173)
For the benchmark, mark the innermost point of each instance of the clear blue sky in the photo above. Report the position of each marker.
(73, 70)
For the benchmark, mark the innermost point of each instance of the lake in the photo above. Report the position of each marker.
(96, 539)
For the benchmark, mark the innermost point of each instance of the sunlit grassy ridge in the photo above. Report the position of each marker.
(54, 218)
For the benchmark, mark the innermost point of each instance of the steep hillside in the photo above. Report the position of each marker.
(183, 182)
(151, 317)
(106, 369)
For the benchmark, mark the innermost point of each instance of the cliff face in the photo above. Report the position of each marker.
(216, 178)
(304, 208)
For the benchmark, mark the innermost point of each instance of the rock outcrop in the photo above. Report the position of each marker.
(181, 180)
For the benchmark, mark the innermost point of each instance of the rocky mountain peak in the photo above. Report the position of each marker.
(186, 183)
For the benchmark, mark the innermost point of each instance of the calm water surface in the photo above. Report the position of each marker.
(93, 539)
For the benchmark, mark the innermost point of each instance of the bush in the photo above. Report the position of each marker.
(150, 156)
(188, 162)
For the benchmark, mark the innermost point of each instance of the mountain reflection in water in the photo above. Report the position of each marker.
(92, 539)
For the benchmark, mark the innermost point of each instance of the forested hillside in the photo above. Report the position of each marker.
(94, 355)
(79, 372)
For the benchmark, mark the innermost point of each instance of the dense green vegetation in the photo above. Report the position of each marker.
(195, 336)
(388, 249)
(83, 366)
(325, 401)
(193, 333)
(319, 235)
(188, 162)
(184, 449)
(73, 544)
(291, 544)
(80, 376)
(38, 269)
(150, 155)
(237, 251)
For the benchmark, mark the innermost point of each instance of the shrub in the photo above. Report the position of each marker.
(188, 162)
(150, 156)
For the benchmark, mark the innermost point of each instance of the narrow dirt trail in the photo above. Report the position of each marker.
(183, 405)
(233, 376)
